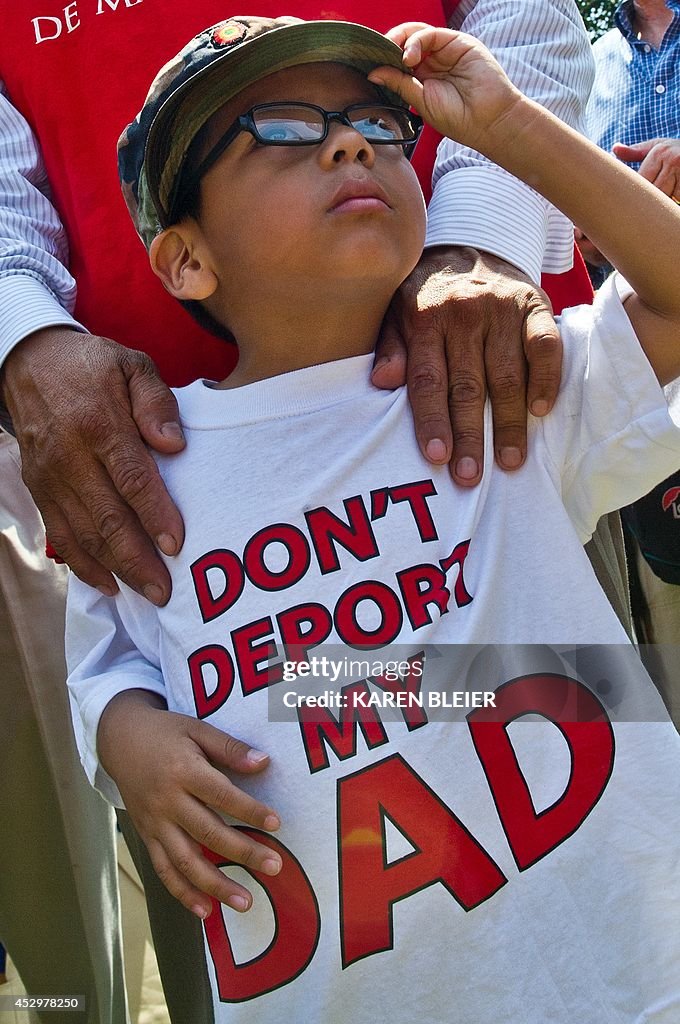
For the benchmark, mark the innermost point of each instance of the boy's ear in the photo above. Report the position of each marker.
(177, 260)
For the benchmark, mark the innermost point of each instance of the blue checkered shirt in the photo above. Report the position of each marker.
(636, 95)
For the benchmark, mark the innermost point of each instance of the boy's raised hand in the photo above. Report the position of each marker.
(452, 80)
(166, 767)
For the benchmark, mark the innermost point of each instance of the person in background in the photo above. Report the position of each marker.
(83, 448)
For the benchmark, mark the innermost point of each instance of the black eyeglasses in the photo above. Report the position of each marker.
(304, 124)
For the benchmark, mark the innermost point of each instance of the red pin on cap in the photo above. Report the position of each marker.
(228, 33)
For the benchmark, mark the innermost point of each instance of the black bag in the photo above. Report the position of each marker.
(654, 521)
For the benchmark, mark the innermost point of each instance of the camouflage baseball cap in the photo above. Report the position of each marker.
(212, 68)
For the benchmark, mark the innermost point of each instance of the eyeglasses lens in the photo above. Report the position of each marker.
(380, 124)
(289, 124)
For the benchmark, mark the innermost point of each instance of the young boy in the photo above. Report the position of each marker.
(475, 869)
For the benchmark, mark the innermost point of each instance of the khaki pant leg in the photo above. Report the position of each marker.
(607, 555)
(177, 938)
(59, 915)
(661, 634)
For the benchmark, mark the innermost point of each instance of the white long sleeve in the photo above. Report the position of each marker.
(544, 48)
(111, 646)
(36, 289)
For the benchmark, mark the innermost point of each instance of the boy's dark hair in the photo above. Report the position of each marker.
(187, 191)
(206, 320)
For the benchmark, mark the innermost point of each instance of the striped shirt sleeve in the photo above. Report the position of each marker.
(36, 289)
(545, 50)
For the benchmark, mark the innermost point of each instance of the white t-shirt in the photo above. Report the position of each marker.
(437, 866)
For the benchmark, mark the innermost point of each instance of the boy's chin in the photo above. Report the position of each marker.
(373, 263)
(373, 281)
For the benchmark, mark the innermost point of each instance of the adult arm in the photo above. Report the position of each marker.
(84, 460)
(544, 49)
(36, 289)
(471, 312)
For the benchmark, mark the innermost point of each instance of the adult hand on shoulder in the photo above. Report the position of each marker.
(173, 789)
(84, 408)
(660, 162)
(463, 322)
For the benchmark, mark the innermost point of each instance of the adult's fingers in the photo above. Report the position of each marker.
(471, 321)
(64, 541)
(667, 180)
(416, 316)
(652, 165)
(134, 515)
(660, 162)
(154, 411)
(543, 349)
(631, 154)
(389, 364)
(428, 388)
(466, 396)
(94, 529)
(662, 166)
(506, 381)
(154, 407)
(106, 528)
(511, 393)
